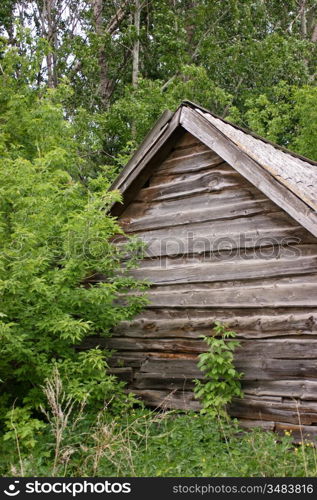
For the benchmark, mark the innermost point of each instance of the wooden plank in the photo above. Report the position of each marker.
(254, 369)
(180, 151)
(257, 424)
(213, 181)
(288, 251)
(297, 406)
(140, 207)
(185, 366)
(172, 330)
(164, 323)
(255, 283)
(147, 155)
(148, 141)
(261, 377)
(276, 369)
(272, 293)
(241, 320)
(280, 349)
(193, 242)
(190, 346)
(139, 174)
(265, 416)
(172, 366)
(290, 388)
(269, 416)
(188, 163)
(199, 126)
(186, 141)
(182, 380)
(124, 373)
(197, 238)
(266, 410)
(197, 107)
(166, 399)
(237, 268)
(244, 407)
(159, 178)
(127, 359)
(183, 217)
(277, 399)
(269, 349)
(162, 382)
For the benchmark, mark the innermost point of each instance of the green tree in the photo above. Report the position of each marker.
(220, 54)
(286, 116)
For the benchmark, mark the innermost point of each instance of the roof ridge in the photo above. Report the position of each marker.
(193, 105)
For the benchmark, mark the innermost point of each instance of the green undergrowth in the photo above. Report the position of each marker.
(148, 443)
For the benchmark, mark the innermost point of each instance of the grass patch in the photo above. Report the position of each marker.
(75, 441)
(146, 443)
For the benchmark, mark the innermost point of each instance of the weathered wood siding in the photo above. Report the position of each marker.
(218, 249)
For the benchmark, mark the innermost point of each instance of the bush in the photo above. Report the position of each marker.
(55, 234)
(222, 380)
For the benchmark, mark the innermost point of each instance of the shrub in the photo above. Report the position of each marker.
(222, 380)
(54, 235)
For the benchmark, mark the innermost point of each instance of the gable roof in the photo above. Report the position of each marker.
(288, 179)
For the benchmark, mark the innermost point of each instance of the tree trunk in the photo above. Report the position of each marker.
(49, 32)
(104, 82)
(136, 54)
(303, 19)
(314, 34)
(51, 36)
(136, 46)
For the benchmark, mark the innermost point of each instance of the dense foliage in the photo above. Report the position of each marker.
(240, 58)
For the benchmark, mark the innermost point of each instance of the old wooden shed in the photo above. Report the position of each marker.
(230, 224)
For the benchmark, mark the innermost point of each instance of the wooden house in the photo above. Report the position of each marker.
(230, 224)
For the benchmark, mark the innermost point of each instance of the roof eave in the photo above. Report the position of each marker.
(152, 151)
